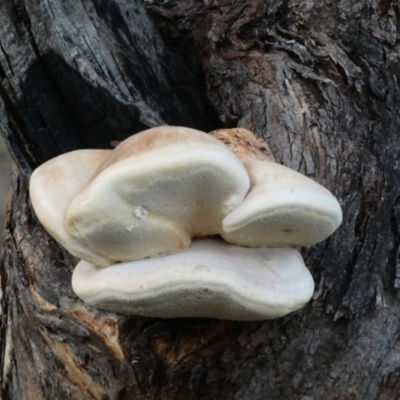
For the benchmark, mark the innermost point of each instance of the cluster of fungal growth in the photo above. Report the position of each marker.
(175, 222)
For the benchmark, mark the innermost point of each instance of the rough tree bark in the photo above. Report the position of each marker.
(318, 79)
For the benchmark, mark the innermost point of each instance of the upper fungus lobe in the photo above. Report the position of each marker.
(183, 181)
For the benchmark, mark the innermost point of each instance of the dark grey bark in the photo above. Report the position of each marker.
(319, 80)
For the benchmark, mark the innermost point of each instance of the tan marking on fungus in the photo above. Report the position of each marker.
(242, 141)
(145, 141)
(289, 230)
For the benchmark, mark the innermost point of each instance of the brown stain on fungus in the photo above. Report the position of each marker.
(242, 141)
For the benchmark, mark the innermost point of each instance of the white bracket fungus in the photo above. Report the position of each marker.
(146, 198)
(131, 214)
(210, 279)
(283, 208)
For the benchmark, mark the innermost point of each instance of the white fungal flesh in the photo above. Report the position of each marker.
(210, 279)
(283, 208)
(145, 198)
(52, 188)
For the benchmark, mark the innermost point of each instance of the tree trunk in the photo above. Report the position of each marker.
(319, 80)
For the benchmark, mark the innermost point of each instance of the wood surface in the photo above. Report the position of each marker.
(319, 80)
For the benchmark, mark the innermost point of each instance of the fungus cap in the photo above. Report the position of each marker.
(52, 188)
(145, 198)
(157, 189)
(211, 279)
(283, 207)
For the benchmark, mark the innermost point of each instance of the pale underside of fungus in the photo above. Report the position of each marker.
(136, 216)
(211, 278)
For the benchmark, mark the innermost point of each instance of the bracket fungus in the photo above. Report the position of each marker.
(52, 188)
(211, 278)
(143, 219)
(146, 198)
(283, 207)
